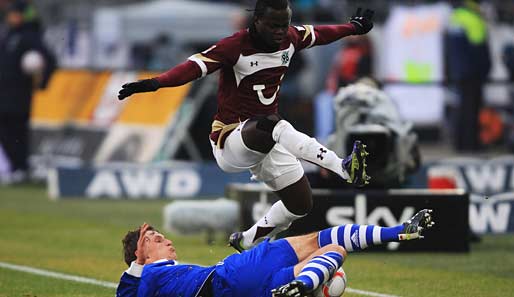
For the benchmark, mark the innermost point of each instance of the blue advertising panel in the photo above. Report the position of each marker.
(123, 181)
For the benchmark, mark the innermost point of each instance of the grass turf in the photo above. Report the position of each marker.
(83, 237)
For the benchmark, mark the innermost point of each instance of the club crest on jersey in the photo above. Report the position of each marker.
(285, 58)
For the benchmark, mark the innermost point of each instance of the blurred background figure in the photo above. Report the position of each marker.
(508, 61)
(295, 104)
(25, 64)
(157, 54)
(352, 62)
(468, 64)
(363, 111)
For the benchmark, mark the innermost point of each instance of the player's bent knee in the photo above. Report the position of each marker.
(338, 249)
(268, 123)
(305, 207)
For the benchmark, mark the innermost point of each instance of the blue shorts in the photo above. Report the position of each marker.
(254, 273)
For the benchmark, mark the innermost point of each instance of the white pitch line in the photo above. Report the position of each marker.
(367, 293)
(86, 280)
(58, 275)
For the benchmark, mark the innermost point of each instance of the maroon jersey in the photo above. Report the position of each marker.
(250, 77)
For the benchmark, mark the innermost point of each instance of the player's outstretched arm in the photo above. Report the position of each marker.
(360, 23)
(145, 85)
(176, 76)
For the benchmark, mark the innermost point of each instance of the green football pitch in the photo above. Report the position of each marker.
(54, 242)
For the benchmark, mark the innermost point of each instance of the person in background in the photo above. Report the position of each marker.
(365, 111)
(508, 61)
(468, 62)
(25, 65)
(353, 61)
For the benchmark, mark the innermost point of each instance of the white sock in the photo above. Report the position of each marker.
(307, 148)
(277, 217)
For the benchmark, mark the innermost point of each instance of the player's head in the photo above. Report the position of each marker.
(272, 19)
(156, 246)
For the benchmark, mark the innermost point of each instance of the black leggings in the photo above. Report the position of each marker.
(14, 139)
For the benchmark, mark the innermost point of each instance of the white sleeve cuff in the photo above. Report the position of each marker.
(135, 269)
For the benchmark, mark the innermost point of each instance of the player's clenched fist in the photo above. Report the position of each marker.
(145, 85)
(362, 21)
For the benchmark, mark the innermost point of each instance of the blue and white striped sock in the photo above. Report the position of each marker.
(319, 269)
(358, 237)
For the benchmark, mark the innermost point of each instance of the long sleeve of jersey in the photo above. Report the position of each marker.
(309, 36)
(180, 75)
(329, 33)
(201, 64)
(129, 282)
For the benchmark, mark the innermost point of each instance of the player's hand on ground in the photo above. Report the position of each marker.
(140, 251)
(362, 21)
(145, 85)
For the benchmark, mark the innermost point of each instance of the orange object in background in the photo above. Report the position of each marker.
(441, 183)
(442, 177)
(491, 126)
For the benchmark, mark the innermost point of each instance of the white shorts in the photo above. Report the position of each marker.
(277, 169)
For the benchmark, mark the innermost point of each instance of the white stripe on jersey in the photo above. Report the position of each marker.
(248, 65)
(200, 63)
(200, 60)
(313, 36)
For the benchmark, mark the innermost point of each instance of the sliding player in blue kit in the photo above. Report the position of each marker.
(293, 266)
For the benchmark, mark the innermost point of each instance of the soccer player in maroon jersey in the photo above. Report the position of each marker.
(247, 132)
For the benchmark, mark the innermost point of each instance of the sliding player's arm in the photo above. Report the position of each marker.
(129, 281)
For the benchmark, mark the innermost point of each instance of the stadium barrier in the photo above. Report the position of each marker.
(374, 207)
(169, 180)
(490, 183)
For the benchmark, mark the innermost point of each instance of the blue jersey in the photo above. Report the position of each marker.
(128, 286)
(253, 273)
(167, 279)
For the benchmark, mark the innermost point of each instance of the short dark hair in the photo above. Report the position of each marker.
(130, 244)
(262, 5)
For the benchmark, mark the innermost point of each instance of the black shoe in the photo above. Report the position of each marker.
(413, 228)
(355, 165)
(235, 241)
(295, 288)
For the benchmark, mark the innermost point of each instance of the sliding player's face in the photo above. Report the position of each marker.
(158, 247)
(273, 26)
